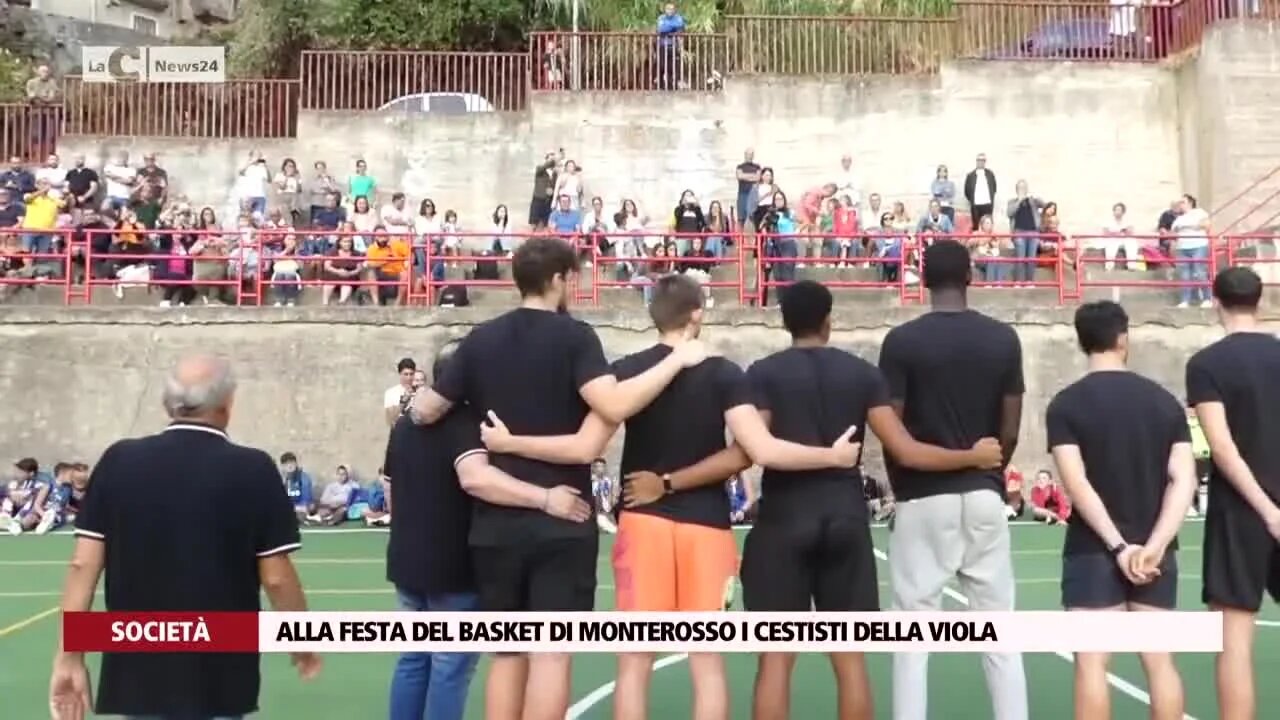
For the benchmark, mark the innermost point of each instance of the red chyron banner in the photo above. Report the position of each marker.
(160, 632)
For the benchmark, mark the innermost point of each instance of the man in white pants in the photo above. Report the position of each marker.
(954, 376)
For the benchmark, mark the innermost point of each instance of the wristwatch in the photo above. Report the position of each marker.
(1118, 548)
(666, 484)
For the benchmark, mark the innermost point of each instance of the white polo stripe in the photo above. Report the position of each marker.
(469, 453)
(90, 534)
(199, 428)
(282, 549)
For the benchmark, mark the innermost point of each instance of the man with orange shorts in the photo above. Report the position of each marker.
(674, 551)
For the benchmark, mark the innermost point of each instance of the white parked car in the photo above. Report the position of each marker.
(438, 103)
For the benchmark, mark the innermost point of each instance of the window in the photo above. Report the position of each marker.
(144, 24)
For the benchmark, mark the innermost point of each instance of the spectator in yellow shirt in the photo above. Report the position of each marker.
(387, 260)
(41, 219)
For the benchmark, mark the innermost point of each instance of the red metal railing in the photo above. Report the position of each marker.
(29, 131)
(412, 81)
(628, 61)
(803, 45)
(236, 269)
(234, 109)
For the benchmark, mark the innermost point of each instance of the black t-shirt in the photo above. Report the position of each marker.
(813, 395)
(427, 553)
(681, 427)
(79, 180)
(154, 176)
(1166, 220)
(528, 366)
(951, 371)
(746, 186)
(11, 215)
(1242, 371)
(1125, 425)
(184, 515)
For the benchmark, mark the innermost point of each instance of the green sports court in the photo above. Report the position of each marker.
(344, 570)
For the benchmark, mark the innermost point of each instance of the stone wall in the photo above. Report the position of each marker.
(74, 380)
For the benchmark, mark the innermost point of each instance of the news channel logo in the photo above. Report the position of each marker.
(155, 63)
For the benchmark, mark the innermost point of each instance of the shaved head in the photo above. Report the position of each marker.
(200, 387)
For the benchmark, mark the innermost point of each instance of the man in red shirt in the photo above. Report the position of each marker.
(1048, 500)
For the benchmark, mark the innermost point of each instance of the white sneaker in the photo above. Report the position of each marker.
(5, 520)
(1206, 304)
(165, 303)
(118, 291)
(46, 523)
(290, 303)
(1182, 305)
(279, 304)
(15, 527)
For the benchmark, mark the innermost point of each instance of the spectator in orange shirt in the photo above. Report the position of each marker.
(387, 261)
(1049, 501)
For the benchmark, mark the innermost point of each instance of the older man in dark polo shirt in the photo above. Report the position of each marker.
(434, 470)
(149, 521)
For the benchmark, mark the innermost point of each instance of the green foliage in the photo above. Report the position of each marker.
(270, 34)
(15, 70)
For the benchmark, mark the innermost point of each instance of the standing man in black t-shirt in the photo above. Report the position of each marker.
(1123, 451)
(954, 376)
(748, 176)
(811, 544)
(146, 521)
(434, 471)
(1234, 386)
(542, 372)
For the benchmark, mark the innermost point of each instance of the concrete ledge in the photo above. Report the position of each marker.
(845, 318)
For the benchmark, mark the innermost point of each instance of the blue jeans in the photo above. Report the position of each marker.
(992, 271)
(432, 686)
(1025, 249)
(1193, 272)
(38, 243)
(714, 244)
(258, 205)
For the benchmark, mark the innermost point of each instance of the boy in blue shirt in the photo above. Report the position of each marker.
(297, 485)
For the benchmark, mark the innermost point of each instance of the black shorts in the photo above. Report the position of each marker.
(824, 564)
(539, 211)
(546, 576)
(1093, 581)
(1241, 559)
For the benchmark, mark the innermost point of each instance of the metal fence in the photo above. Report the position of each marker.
(414, 81)
(463, 82)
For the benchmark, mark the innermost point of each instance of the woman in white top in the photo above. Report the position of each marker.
(363, 216)
(1192, 250)
(765, 188)
(501, 231)
(570, 183)
(1119, 236)
(426, 231)
(286, 272)
(288, 184)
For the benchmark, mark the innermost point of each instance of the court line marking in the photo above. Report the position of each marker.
(11, 629)
(596, 696)
(1115, 681)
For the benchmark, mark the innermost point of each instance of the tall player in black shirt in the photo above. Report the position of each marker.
(1234, 386)
(1123, 450)
(955, 375)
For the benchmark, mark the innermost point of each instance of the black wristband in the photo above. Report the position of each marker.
(1115, 550)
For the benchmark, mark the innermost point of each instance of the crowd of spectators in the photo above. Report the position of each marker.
(358, 239)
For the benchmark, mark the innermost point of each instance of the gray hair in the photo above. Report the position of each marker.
(198, 386)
